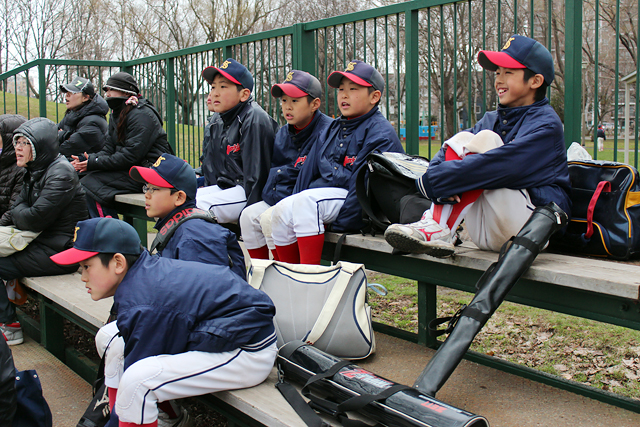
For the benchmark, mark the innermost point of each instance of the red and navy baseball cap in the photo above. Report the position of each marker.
(358, 72)
(168, 172)
(298, 84)
(100, 235)
(232, 70)
(520, 52)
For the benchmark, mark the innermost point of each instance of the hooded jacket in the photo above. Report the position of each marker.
(144, 141)
(10, 173)
(290, 151)
(533, 157)
(168, 306)
(340, 153)
(85, 129)
(237, 149)
(51, 202)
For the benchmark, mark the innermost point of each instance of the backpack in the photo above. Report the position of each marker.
(390, 196)
(605, 217)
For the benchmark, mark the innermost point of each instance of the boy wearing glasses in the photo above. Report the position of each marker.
(184, 232)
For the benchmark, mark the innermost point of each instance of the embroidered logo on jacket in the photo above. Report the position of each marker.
(300, 160)
(235, 148)
(349, 160)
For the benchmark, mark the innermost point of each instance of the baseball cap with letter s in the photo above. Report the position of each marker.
(100, 235)
(232, 70)
(298, 84)
(168, 172)
(360, 73)
(520, 52)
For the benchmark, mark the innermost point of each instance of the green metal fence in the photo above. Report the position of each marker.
(426, 51)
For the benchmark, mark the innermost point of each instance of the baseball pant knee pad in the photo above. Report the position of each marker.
(137, 401)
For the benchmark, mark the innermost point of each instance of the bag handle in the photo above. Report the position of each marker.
(603, 186)
(258, 267)
(347, 271)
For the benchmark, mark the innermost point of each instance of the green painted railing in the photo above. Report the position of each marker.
(426, 51)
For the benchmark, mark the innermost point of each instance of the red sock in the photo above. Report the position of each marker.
(112, 392)
(259, 253)
(311, 249)
(274, 254)
(126, 424)
(289, 253)
(466, 198)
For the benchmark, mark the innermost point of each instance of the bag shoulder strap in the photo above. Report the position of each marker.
(347, 270)
(257, 270)
(170, 227)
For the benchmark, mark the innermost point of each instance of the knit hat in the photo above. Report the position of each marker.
(123, 82)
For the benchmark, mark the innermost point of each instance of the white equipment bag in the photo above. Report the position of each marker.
(323, 306)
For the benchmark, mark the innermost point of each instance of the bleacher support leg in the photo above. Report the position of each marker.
(51, 329)
(427, 304)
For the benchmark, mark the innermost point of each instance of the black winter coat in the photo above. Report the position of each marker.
(7, 385)
(11, 174)
(237, 149)
(145, 140)
(85, 129)
(51, 202)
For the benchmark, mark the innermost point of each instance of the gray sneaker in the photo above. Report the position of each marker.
(421, 237)
(12, 333)
(183, 420)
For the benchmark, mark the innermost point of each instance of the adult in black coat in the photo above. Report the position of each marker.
(135, 138)
(83, 129)
(7, 385)
(51, 202)
(10, 173)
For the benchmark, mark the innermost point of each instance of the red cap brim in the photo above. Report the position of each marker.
(334, 82)
(140, 174)
(209, 74)
(492, 60)
(72, 256)
(288, 89)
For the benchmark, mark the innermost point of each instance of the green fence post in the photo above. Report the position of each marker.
(573, 72)
(412, 108)
(42, 89)
(171, 106)
(228, 53)
(303, 45)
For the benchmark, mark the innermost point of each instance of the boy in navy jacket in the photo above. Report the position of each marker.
(237, 145)
(184, 328)
(325, 192)
(170, 196)
(300, 99)
(496, 173)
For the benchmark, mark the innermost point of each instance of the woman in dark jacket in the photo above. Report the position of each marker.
(51, 202)
(136, 138)
(10, 173)
(83, 128)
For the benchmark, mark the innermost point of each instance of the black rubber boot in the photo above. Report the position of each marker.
(515, 258)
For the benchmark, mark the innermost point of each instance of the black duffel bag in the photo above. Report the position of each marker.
(606, 210)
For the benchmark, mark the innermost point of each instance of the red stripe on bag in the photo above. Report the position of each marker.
(602, 186)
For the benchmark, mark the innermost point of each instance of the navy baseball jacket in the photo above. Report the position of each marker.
(168, 306)
(202, 241)
(290, 151)
(237, 149)
(533, 157)
(342, 151)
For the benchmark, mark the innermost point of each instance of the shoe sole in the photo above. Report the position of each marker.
(404, 243)
(16, 341)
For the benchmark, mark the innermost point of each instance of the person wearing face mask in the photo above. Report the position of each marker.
(135, 138)
(83, 128)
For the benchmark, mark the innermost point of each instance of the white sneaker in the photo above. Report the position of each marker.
(422, 237)
(12, 333)
(183, 420)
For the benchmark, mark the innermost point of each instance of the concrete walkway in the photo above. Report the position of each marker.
(67, 394)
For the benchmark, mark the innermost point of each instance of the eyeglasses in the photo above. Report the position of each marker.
(17, 143)
(150, 190)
